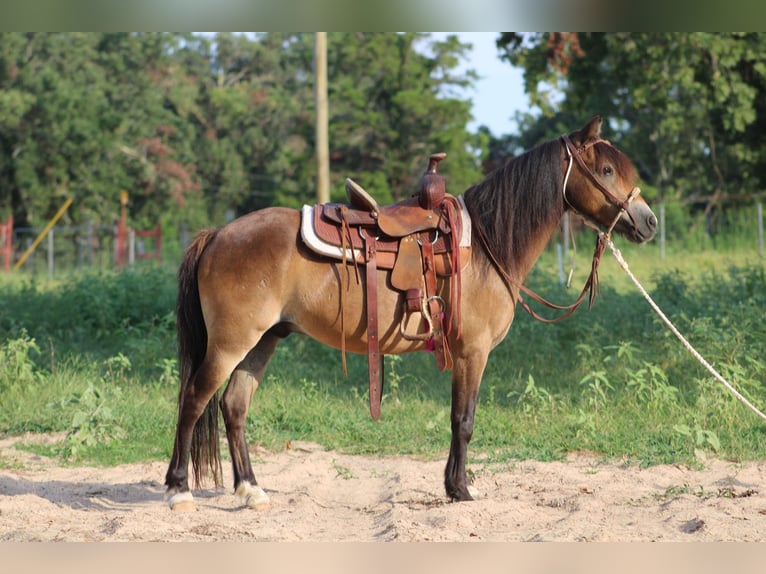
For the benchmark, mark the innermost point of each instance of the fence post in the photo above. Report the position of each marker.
(662, 231)
(6, 243)
(560, 262)
(89, 235)
(759, 209)
(158, 243)
(50, 253)
(131, 247)
(184, 235)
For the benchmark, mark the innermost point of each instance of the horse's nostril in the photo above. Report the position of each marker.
(651, 221)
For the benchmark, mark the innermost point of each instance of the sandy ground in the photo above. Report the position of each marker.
(319, 495)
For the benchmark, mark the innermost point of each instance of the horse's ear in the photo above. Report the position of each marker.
(590, 132)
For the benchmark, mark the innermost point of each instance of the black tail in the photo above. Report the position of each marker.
(192, 345)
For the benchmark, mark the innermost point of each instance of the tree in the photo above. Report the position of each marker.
(195, 126)
(689, 107)
(86, 116)
(389, 112)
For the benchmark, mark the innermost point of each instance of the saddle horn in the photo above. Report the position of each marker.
(433, 186)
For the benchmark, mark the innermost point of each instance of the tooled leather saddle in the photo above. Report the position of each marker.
(417, 239)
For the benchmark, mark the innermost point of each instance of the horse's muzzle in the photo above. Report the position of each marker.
(639, 224)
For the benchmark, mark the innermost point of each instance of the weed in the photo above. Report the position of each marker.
(93, 421)
(533, 398)
(702, 440)
(17, 367)
(597, 384)
(676, 491)
(343, 472)
(170, 374)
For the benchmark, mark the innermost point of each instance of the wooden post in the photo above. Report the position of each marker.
(322, 140)
(6, 243)
(122, 230)
(90, 242)
(560, 260)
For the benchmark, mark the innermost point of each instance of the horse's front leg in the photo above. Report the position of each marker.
(466, 379)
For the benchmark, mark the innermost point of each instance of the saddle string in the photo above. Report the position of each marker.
(345, 234)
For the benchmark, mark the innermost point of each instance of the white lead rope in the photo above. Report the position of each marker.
(692, 350)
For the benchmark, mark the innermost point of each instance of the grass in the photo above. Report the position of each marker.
(92, 356)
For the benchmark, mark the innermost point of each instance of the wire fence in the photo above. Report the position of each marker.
(105, 246)
(72, 247)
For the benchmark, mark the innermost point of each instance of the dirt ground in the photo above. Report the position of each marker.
(319, 495)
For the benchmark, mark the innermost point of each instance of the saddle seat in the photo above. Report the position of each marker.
(397, 220)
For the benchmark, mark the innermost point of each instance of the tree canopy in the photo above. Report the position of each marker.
(195, 126)
(690, 108)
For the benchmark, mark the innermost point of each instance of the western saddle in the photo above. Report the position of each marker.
(417, 240)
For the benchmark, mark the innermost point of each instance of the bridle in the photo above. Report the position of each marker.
(577, 158)
(591, 284)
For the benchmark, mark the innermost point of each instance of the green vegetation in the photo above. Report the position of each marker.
(196, 126)
(688, 107)
(93, 357)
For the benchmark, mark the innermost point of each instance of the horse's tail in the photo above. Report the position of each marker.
(192, 346)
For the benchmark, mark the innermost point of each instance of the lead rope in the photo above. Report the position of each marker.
(676, 332)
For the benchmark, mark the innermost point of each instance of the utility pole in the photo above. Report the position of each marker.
(322, 143)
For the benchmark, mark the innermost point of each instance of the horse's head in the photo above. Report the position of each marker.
(600, 185)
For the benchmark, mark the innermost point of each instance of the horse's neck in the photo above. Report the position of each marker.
(537, 245)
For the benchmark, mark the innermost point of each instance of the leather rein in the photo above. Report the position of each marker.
(591, 284)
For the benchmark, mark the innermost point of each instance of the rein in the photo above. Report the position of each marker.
(603, 238)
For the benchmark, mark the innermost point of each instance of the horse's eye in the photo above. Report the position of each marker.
(608, 170)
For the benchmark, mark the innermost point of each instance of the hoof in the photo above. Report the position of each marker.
(253, 496)
(182, 502)
(474, 492)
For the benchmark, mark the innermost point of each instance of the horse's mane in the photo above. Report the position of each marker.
(516, 200)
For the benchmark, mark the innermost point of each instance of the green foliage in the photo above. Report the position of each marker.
(95, 312)
(610, 381)
(194, 126)
(16, 363)
(92, 423)
(688, 106)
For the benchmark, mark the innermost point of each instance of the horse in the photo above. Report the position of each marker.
(246, 286)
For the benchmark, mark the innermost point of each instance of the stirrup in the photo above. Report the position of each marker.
(426, 314)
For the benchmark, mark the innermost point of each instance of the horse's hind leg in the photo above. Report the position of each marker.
(235, 404)
(200, 389)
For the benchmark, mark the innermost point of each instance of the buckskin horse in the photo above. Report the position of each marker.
(247, 285)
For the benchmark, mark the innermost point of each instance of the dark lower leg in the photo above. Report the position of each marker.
(236, 403)
(197, 393)
(455, 481)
